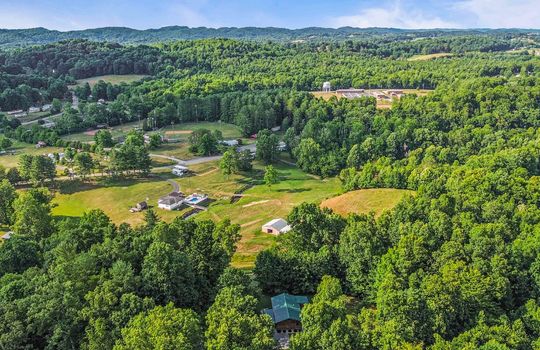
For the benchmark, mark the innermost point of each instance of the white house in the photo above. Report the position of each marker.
(180, 170)
(33, 109)
(172, 201)
(276, 227)
(282, 146)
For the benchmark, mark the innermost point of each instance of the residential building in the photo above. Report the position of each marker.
(172, 201)
(285, 314)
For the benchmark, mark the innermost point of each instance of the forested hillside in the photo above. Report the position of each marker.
(36, 36)
(455, 265)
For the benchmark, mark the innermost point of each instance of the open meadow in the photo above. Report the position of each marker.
(256, 205)
(113, 79)
(377, 200)
(11, 159)
(381, 104)
(430, 56)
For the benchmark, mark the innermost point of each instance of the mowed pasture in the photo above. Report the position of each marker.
(381, 104)
(179, 131)
(430, 56)
(376, 200)
(257, 204)
(113, 79)
(12, 160)
(114, 197)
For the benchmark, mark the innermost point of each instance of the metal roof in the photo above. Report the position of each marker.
(277, 224)
(286, 307)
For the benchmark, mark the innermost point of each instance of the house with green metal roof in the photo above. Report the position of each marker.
(285, 312)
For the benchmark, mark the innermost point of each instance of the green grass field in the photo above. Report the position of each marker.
(258, 205)
(430, 56)
(377, 200)
(113, 79)
(115, 198)
(11, 161)
(177, 131)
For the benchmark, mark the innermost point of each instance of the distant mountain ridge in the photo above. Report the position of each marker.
(35, 36)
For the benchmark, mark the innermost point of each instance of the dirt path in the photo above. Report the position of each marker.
(255, 203)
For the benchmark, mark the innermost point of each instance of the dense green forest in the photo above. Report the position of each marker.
(454, 266)
(22, 37)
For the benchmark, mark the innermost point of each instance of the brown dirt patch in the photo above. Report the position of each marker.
(178, 132)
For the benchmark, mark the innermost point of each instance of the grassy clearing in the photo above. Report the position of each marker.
(430, 56)
(259, 204)
(114, 197)
(11, 161)
(381, 104)
(183, 130)
(365, 201)
(177, 131)
(113, 79)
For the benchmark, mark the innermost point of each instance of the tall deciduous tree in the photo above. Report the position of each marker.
(233, 322)
(164, 327)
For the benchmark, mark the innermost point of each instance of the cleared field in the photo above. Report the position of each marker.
(430, 56)
(183, 130)
(11, 161)
(115, 198)
(258, 205)
(113, 79)
(381, 104)
(364, 201)
(177, 131)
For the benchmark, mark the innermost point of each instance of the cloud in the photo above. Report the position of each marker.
(394, 16)
(502, 13)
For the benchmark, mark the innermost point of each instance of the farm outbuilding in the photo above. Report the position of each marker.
(276, 227)
(326, 87)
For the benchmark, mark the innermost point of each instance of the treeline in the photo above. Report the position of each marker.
(35, 36)
(156, 285)
(200, 68)
(37, 75)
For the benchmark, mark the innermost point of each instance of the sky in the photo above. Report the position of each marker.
(143, 14)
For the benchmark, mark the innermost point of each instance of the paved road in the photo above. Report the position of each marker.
(199, 160)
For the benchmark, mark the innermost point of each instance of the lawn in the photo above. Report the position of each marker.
(363, 201)
(178, 131)
(11, 161)
(430, 56)
(114, 197)
(113, 79)
(183, 130)
(258, 204)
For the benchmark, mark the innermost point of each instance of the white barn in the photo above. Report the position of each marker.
(276, 227)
